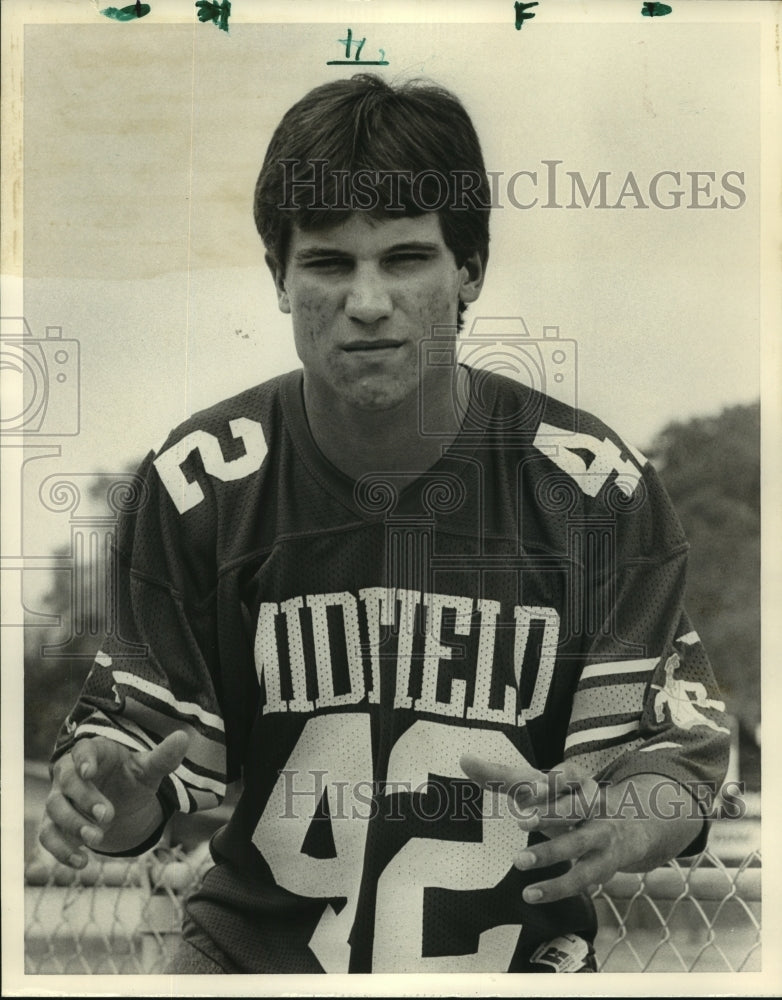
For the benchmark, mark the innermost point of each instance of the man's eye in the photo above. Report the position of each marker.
(328, 264)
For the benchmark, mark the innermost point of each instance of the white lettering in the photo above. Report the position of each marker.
(480, 709)
(318, 603)
(548, 652)
(379, 605)
(408, 602)
(335, 623)
(299, 702)
(435, 652)
(267, 663)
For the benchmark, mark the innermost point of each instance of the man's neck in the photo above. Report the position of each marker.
(360, 442)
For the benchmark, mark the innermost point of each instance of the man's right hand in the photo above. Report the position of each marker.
(104, 796)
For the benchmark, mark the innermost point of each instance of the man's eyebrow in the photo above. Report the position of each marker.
(315, 253)
(416, 245)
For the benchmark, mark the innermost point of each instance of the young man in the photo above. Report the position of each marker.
(430, 616)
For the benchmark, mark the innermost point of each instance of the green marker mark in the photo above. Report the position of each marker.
(131, 13)
(521, 13)
(656, 9)
(217, 13)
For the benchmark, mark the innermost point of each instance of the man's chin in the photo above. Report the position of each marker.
(378, 396)
(378, 404)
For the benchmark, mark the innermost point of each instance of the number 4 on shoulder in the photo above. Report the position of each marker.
(590, 461)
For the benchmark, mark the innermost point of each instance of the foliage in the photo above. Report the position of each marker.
(58, 656)
(52, 681)
(711, 468)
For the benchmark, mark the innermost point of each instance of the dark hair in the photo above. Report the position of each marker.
(412, 146)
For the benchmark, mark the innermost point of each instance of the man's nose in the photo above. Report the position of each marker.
(368, 298)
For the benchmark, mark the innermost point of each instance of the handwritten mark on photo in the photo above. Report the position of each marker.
(522, 15)
(130, 13)
(348, 42)
(217, 13)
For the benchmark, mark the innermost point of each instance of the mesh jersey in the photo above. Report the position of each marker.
(339, 645)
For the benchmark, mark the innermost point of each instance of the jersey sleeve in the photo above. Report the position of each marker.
(647, 700)
(157, 672)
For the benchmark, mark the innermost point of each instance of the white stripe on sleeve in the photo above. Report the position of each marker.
(164, 695)
(601, 733)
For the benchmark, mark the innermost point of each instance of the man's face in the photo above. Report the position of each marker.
(363, 294)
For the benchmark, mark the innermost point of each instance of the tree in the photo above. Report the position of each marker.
(57, 658)
(711, 469)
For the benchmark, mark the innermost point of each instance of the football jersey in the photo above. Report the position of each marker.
(338, 645)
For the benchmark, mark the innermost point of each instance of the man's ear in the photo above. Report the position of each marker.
(278, 278)
(472, 273)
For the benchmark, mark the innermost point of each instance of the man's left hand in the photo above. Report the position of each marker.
(588, 824)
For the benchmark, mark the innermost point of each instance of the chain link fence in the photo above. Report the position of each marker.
(124, 915)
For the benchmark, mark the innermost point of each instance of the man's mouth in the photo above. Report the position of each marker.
(371, 345)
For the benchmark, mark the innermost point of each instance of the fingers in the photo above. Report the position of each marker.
(76, 815)
(551, 802)
(73, 774)
(569, 804)
(66, 849)
(521, 782)
(592, 849)
(84, 758)
(65, 832)
(569, 847)
(76, 812)
(583, 877)
(567, 772)
(577, 794)
(74, 778)
(154, 765)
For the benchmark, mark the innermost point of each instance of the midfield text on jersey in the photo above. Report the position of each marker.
(390, 630)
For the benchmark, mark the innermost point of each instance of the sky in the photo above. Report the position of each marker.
(142, 143)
